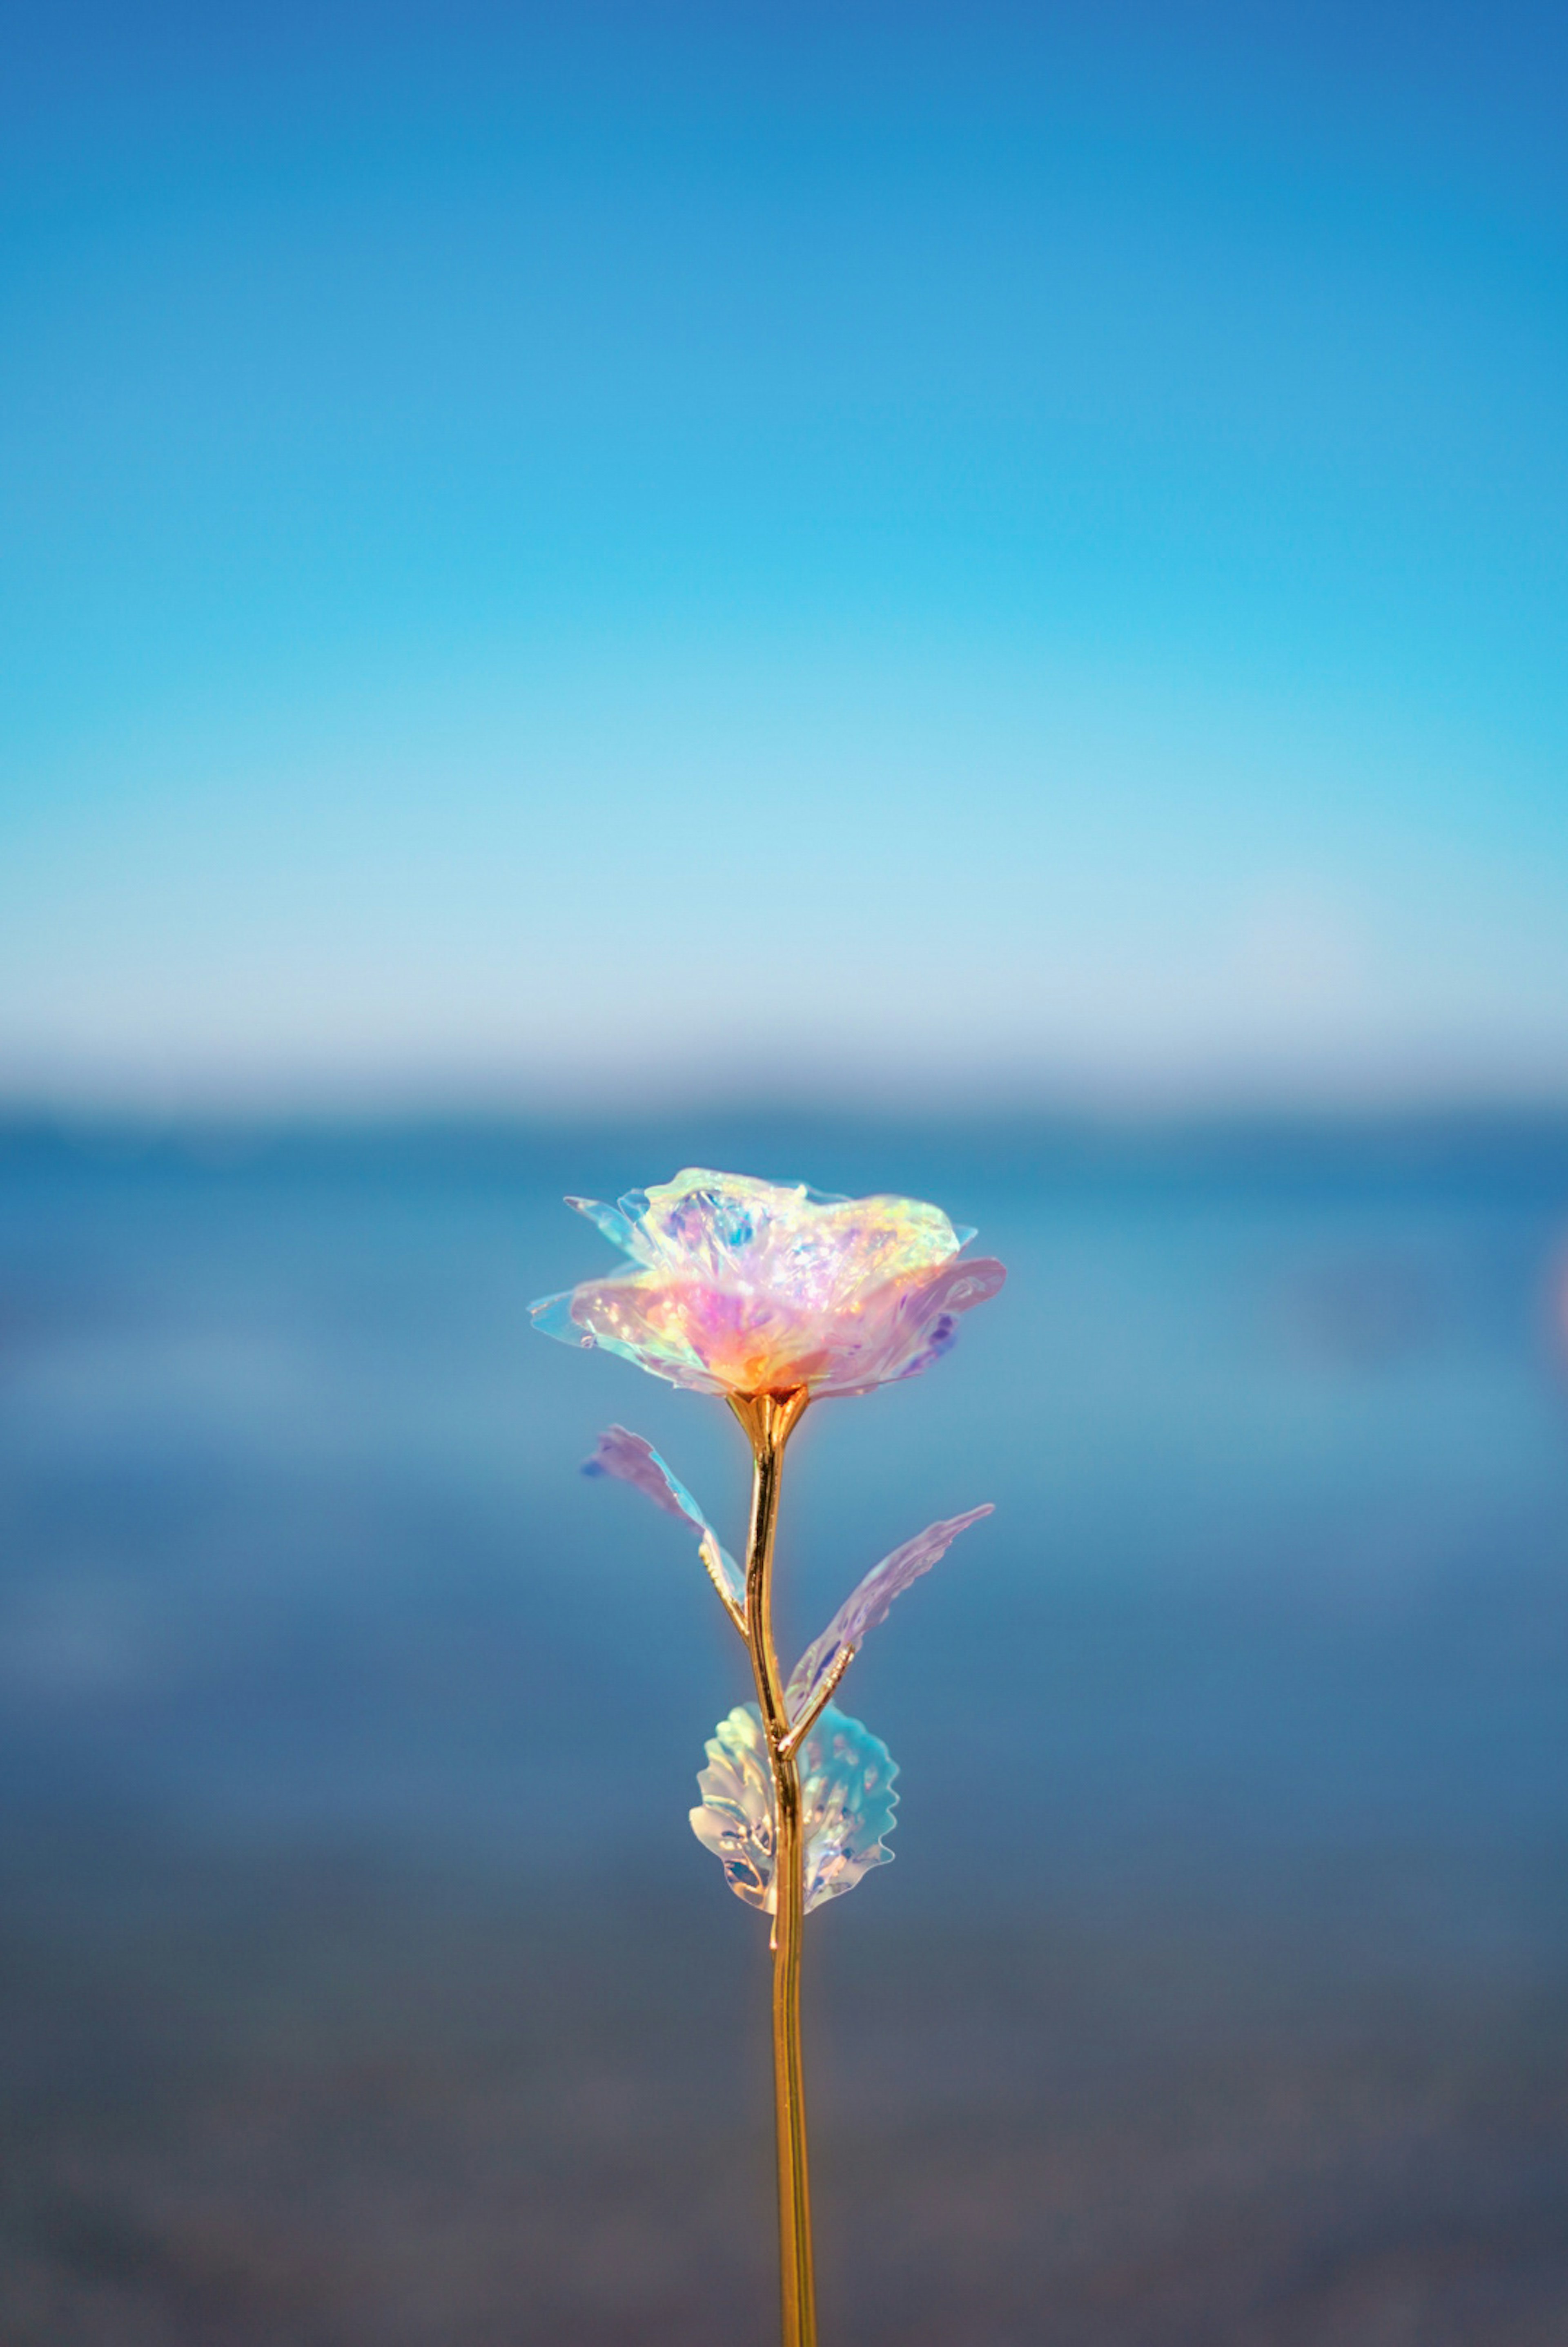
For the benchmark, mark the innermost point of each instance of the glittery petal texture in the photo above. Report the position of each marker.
(847, 1804)
(747, 1287)
(870, 1601)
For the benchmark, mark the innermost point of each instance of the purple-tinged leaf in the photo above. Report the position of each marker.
(631, 1460)
(869, 1602)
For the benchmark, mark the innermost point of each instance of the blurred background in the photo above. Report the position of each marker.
(969, 602)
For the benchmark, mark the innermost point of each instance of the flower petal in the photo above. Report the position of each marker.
(641, 1318)
(746, 1286)
(806, 1248)
(631, 1460)
(871, 1601)
(902, 1330)
(612, 1221)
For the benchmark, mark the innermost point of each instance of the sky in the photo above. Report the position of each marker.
(596, 555)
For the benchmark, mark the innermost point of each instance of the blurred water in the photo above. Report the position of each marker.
(292, 1547)
(360, 1980)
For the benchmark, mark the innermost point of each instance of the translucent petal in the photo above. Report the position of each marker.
(847, 1804)
(555, 1316)
(612, 1221)
(632, 1460)
(902, 1330)
(869, 1602)
(635, 1317)
(719, 1339)
(747, 1287)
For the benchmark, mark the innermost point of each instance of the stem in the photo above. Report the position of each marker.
(816, 1705)
(770, 1420)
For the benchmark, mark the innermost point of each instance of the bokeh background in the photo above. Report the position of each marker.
(964, 601)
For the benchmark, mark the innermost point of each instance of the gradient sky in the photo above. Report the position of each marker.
(569, 554)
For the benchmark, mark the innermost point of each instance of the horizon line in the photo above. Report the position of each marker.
(1106, 1108)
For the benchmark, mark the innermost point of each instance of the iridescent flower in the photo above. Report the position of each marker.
(771, 1296)
(754, 1288)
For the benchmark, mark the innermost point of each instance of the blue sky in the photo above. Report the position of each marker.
(604, 552)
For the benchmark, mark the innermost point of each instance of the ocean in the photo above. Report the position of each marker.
(364, 1980)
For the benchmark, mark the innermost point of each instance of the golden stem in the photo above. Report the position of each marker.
(827, 1688)
(770, 1420)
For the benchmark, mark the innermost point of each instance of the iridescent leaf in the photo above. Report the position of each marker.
(847, 1805)
(868, 1603)
(632, 1460)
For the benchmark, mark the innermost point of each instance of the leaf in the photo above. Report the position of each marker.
(869, 1602)
(631, 1460)
(847, 1805)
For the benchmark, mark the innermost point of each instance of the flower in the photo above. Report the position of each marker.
(750, 1287)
